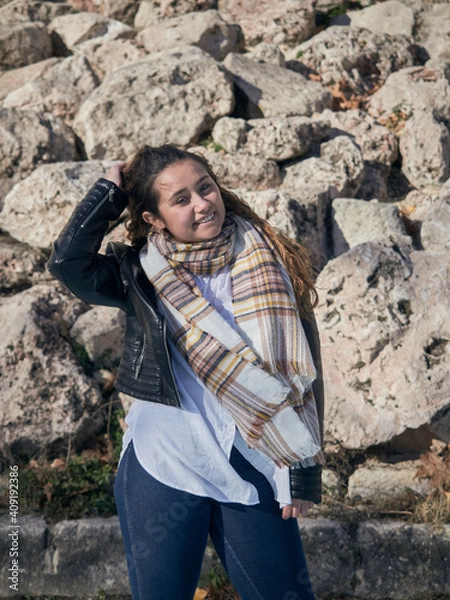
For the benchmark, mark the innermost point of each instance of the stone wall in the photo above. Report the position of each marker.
(369, 560)
(336, 130)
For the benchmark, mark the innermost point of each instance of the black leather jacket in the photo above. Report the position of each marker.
(117, 279)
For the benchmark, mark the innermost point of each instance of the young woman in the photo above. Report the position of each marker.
(221, 353)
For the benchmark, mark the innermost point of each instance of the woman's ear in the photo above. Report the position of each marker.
(152, 220)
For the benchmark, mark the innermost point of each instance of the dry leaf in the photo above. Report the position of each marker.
(109, 383)
(424, 74)
(344, 99)
(48, 489)
(434, 468)
(58, 464)
(406, 209)
(91, 453)
(200, 594)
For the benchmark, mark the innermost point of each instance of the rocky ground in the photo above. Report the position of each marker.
(331, 119)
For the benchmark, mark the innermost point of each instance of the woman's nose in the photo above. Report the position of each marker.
(201, 202)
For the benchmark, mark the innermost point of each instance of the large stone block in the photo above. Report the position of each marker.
(172, 96)
(272, 91)
(385, 351)
(60, 90)
(46, 399)
(38, 207)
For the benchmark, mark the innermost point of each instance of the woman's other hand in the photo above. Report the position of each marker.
(297, 508)
(114, 174)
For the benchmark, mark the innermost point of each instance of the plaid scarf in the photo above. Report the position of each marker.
(261, 370)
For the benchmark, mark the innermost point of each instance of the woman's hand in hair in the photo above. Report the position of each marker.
(297, 508)
(114, 174)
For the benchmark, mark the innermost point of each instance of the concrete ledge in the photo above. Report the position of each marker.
(70, 558)
(377, 559)
(369, 560)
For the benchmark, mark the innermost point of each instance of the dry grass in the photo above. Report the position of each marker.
(408, 506)
(435, 509)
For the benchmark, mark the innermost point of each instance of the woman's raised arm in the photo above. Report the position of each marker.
(75, 260)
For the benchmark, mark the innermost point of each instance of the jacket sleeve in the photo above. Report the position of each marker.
(306, 483)
(75, 260)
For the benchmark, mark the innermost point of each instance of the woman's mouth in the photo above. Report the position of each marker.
(205, 220)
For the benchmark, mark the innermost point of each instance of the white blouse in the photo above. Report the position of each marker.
(189, 448)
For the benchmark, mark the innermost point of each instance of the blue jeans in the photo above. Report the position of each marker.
(165, 532)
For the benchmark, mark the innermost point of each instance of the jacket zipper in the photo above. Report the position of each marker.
(140, 360)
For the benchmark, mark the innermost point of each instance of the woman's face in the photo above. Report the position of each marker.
(190, 204)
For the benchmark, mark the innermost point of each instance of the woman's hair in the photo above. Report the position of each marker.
(139, 176)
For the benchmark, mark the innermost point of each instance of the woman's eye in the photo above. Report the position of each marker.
(182, 200)
(205, 187)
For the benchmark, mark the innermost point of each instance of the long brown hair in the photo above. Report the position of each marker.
(139, 177)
